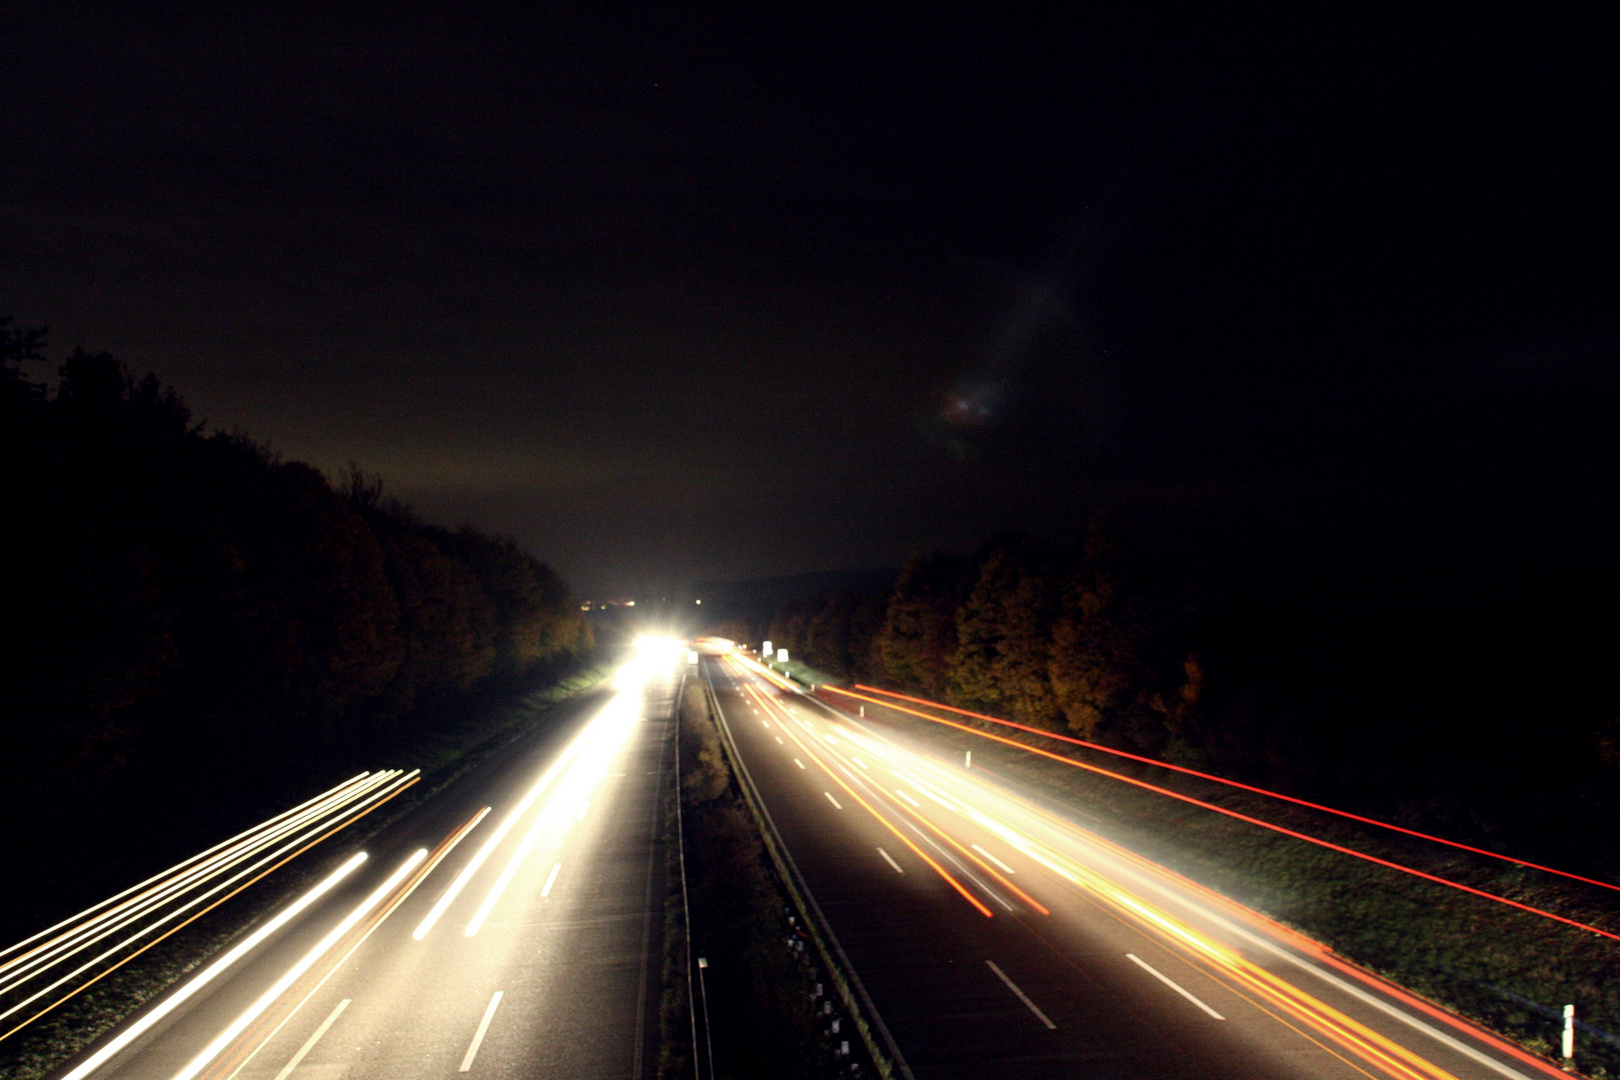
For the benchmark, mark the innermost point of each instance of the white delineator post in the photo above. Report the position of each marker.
(1569, 1035)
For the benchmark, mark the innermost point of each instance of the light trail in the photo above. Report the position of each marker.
(1229, 783)
(161, 875)
(936, 830)
(1234, 919)
(592, 752)
(36, 961)
(618, 716)
(1101, 875)
(268, 998)
(281, 857)
(246, 1047)
(1283, 830)
(904, 839)
(147, 1021)
(69, 945)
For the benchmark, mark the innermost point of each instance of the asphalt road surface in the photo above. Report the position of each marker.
(999, 939)
(542, 958)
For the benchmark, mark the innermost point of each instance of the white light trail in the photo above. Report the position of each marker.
(291, 846)
(268, 998)
(177, 867)
(211, 972)
(171, 883)
(602, 736)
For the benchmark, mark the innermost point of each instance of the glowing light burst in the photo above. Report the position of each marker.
(566, 782)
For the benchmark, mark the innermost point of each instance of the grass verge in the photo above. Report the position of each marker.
(771, 999)
(444, 753)
(1505, 969)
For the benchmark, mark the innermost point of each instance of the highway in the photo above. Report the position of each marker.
(507, 927)
(997, 938)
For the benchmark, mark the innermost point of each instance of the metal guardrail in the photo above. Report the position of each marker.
(874, 1033)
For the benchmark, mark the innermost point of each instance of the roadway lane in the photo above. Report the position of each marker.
(997, 939)
(539, 965)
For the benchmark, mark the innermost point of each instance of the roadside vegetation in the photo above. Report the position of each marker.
(770, 1004)
(1486, 717)
(1509, 970)
(199, 634)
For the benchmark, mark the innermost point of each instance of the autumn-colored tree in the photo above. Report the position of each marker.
(918, 636)
(1119, 664)
(179, 600)
(1002, 628)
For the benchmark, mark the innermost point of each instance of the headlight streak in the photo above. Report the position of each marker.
(495, 838)
(887, 797)
(1229, 783)
(597, 745)
(282, 856)
(1225, 965)
(628, 681)
(66, 948)
(88, 933)
(1152, 875)
(224, 1038)
(904, 839)
(247, 1046)
(178, 998)
(1307, 838)
(177, 867)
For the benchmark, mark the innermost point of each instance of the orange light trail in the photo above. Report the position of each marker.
(176, 880)
(1068, 869)
(1229, 783)
(904, 839)
(1328, 844)
(234, 1058)
(174, 929)
(1254, 983)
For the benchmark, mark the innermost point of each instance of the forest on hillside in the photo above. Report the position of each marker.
(1491, 719)
(196, 627)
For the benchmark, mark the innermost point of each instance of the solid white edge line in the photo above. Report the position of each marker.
(836, 804)
(551, 879)
(1168, 981)
(478, 1036)
(309, 1044)
(888, 859)
(141, 1026)
(1022, 996)
(1004, 867)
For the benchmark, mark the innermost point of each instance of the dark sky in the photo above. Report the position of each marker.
(724, 291)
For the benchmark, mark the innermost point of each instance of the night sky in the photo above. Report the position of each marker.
(720, 291)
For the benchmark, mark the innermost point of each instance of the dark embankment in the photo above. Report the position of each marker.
(198, 633)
